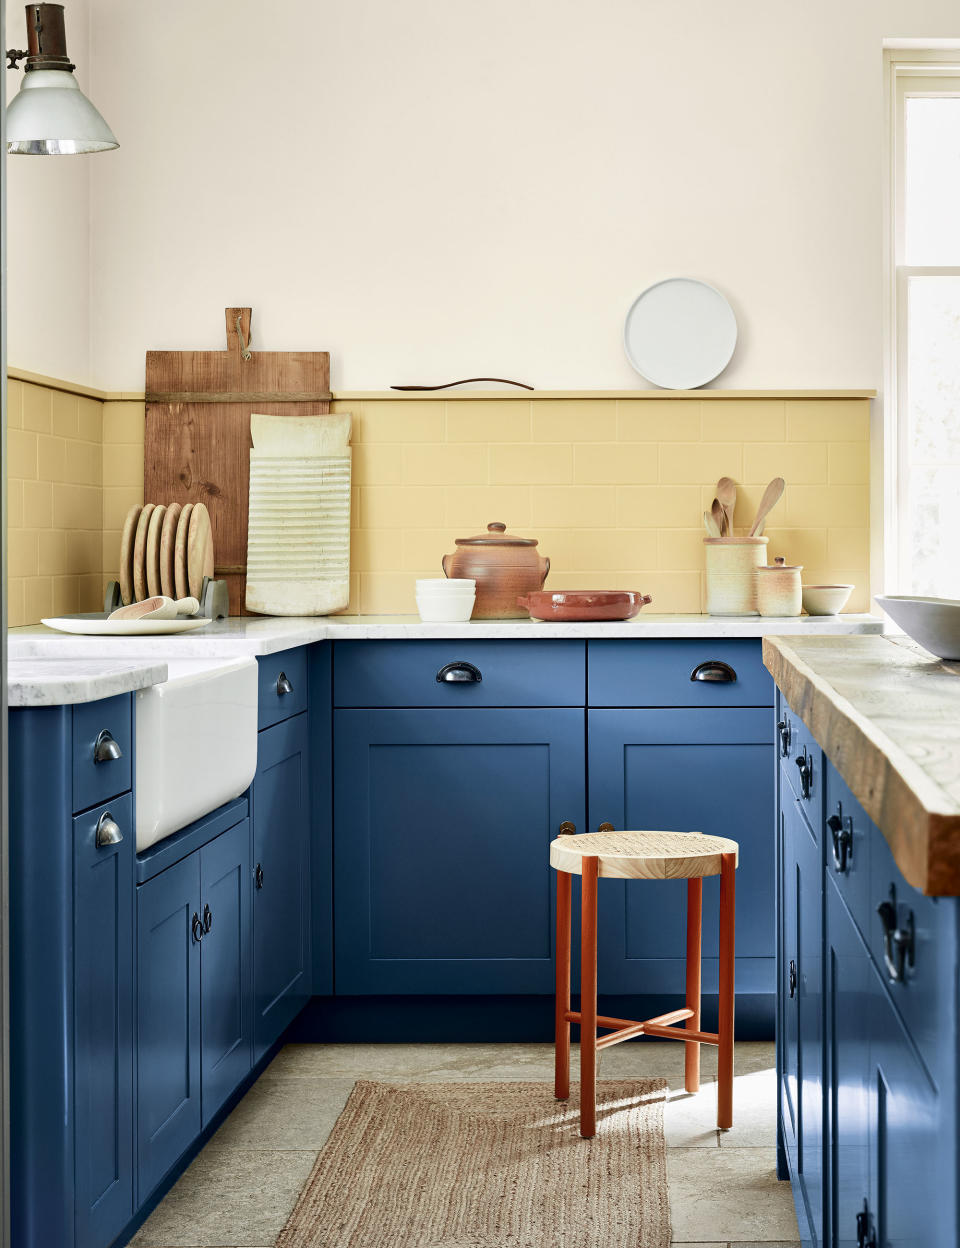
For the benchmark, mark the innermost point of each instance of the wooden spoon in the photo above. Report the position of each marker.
(727, 497)
(719, 517)
(771, 496)
(710, 524)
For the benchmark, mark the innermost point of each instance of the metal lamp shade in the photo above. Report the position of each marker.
(50, 116)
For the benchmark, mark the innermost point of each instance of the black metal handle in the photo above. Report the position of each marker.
(805, 767)
(105, 748)
(283, 685)
(866, 1232)
(459, 673)
(207, 919)
(258, 874)
(899, 943)
(792, 978)
(196, 927)
(108, 831)
(841, 830)
(715, 671)
(783, 727)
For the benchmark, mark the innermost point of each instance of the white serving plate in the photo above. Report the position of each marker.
(680, 333)
(122, 628)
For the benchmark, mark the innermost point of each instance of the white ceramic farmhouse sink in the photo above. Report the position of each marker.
(196, 743)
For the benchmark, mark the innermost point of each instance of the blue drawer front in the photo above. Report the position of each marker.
(95, 782)
(513, 673)
(277, 701)
(657, 673)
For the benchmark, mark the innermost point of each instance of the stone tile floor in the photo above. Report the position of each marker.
(240, 1190)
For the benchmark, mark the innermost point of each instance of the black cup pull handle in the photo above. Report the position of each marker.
(283, 685)
(459, 673)
(899, 943)
(714, 671)
(207, 919)
(792, 978)
(841, 831)
(805, 767)
(197, 928)
(783, 727)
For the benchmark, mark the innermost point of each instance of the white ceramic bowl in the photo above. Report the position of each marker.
(825, 599)
(442, 586)
(933, 622)
(445, 608)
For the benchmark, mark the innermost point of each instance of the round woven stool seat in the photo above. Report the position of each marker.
(643, 855)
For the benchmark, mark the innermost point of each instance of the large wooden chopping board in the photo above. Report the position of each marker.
(197, 445)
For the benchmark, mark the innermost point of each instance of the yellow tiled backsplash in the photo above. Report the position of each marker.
(614, 488)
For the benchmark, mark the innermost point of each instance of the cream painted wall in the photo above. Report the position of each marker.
(48, 233)
(433, 189)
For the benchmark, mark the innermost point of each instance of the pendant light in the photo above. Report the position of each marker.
(50, 115)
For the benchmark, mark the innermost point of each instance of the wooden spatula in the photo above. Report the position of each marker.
(727, 497)
(771, 496)
(719, 517)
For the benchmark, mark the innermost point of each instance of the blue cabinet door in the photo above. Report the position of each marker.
(443, 820)
(225, 992)
(804, 1048)
(912, 1202)
(168, 1020)
(684, 770)
(281, 880)
(848, 984)
(789, 1072)
(104, 925)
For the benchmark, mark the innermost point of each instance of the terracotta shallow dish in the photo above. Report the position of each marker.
(572, 605)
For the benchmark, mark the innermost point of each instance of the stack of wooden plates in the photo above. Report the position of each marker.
(165, 549)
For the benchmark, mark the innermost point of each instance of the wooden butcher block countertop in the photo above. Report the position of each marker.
(887, 714)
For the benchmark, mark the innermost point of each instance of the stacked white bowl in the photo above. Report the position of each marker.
(445, 600)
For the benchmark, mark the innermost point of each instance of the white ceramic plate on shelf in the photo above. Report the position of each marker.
(122, 628)
(680, 333)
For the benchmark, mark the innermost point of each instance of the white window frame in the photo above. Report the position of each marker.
(913, 72)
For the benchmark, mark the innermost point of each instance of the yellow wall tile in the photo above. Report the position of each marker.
(377, 465)
(85, 462)
(848, 548)
(806, 546)
(37, 408)
(65, 418)
(14, 407)
(90, 418)
(91, 592)
(389, 593)
(117, 501)
(424, 549)
(22, 548)
(37, 597)
(16, 613)
(581, 506)
(616, 463)
(694, 463)
(77, 506)
(848, 463)
(653, 420)
(51, 458)
(681, 549)
(803, 463)
(469, 509)
(52, 557)
(574, 420)
(448, 463)
(123, 464)
(376, 550)
(37, 504)
(744, 420)
(403, 506)
(15, 503)
(828, 420)
(847, 505)
(599, 550)
(123, 422)
(21, 454)
(400, 421)
(657, 506)
(477, 420)
(533, 464)
(66, 594)
(84, 553)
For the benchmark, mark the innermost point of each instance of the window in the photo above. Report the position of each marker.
(923, 450)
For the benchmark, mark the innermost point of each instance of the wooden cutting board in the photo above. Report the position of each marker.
(197, 444)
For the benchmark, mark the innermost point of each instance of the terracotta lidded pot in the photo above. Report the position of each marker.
(778, 588)
(503, 565)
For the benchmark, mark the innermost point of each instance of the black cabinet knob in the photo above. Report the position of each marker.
(283, 685)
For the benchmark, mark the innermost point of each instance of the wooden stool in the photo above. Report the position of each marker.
(642, 856)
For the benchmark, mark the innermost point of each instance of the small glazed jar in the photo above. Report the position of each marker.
(778, 588)
(503, 565)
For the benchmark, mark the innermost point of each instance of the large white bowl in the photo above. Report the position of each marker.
(933, 622)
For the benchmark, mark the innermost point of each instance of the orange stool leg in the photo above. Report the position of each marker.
(728, 884)
(691, 1079)
(561, 1079)
(588, 997)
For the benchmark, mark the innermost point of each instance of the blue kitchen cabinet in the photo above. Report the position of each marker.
(280, 809)
(169, 932)
(443, 818)
(71, 975)
(684, 769)
(194, 1021)
(802, 1078)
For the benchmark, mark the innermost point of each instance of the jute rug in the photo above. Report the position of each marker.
(488, 1165)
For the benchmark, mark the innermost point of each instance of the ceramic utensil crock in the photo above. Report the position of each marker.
(778, 588)
(731, 566)
(504, 567)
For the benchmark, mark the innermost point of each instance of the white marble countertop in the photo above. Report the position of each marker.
(258, 635)
(63, 681)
